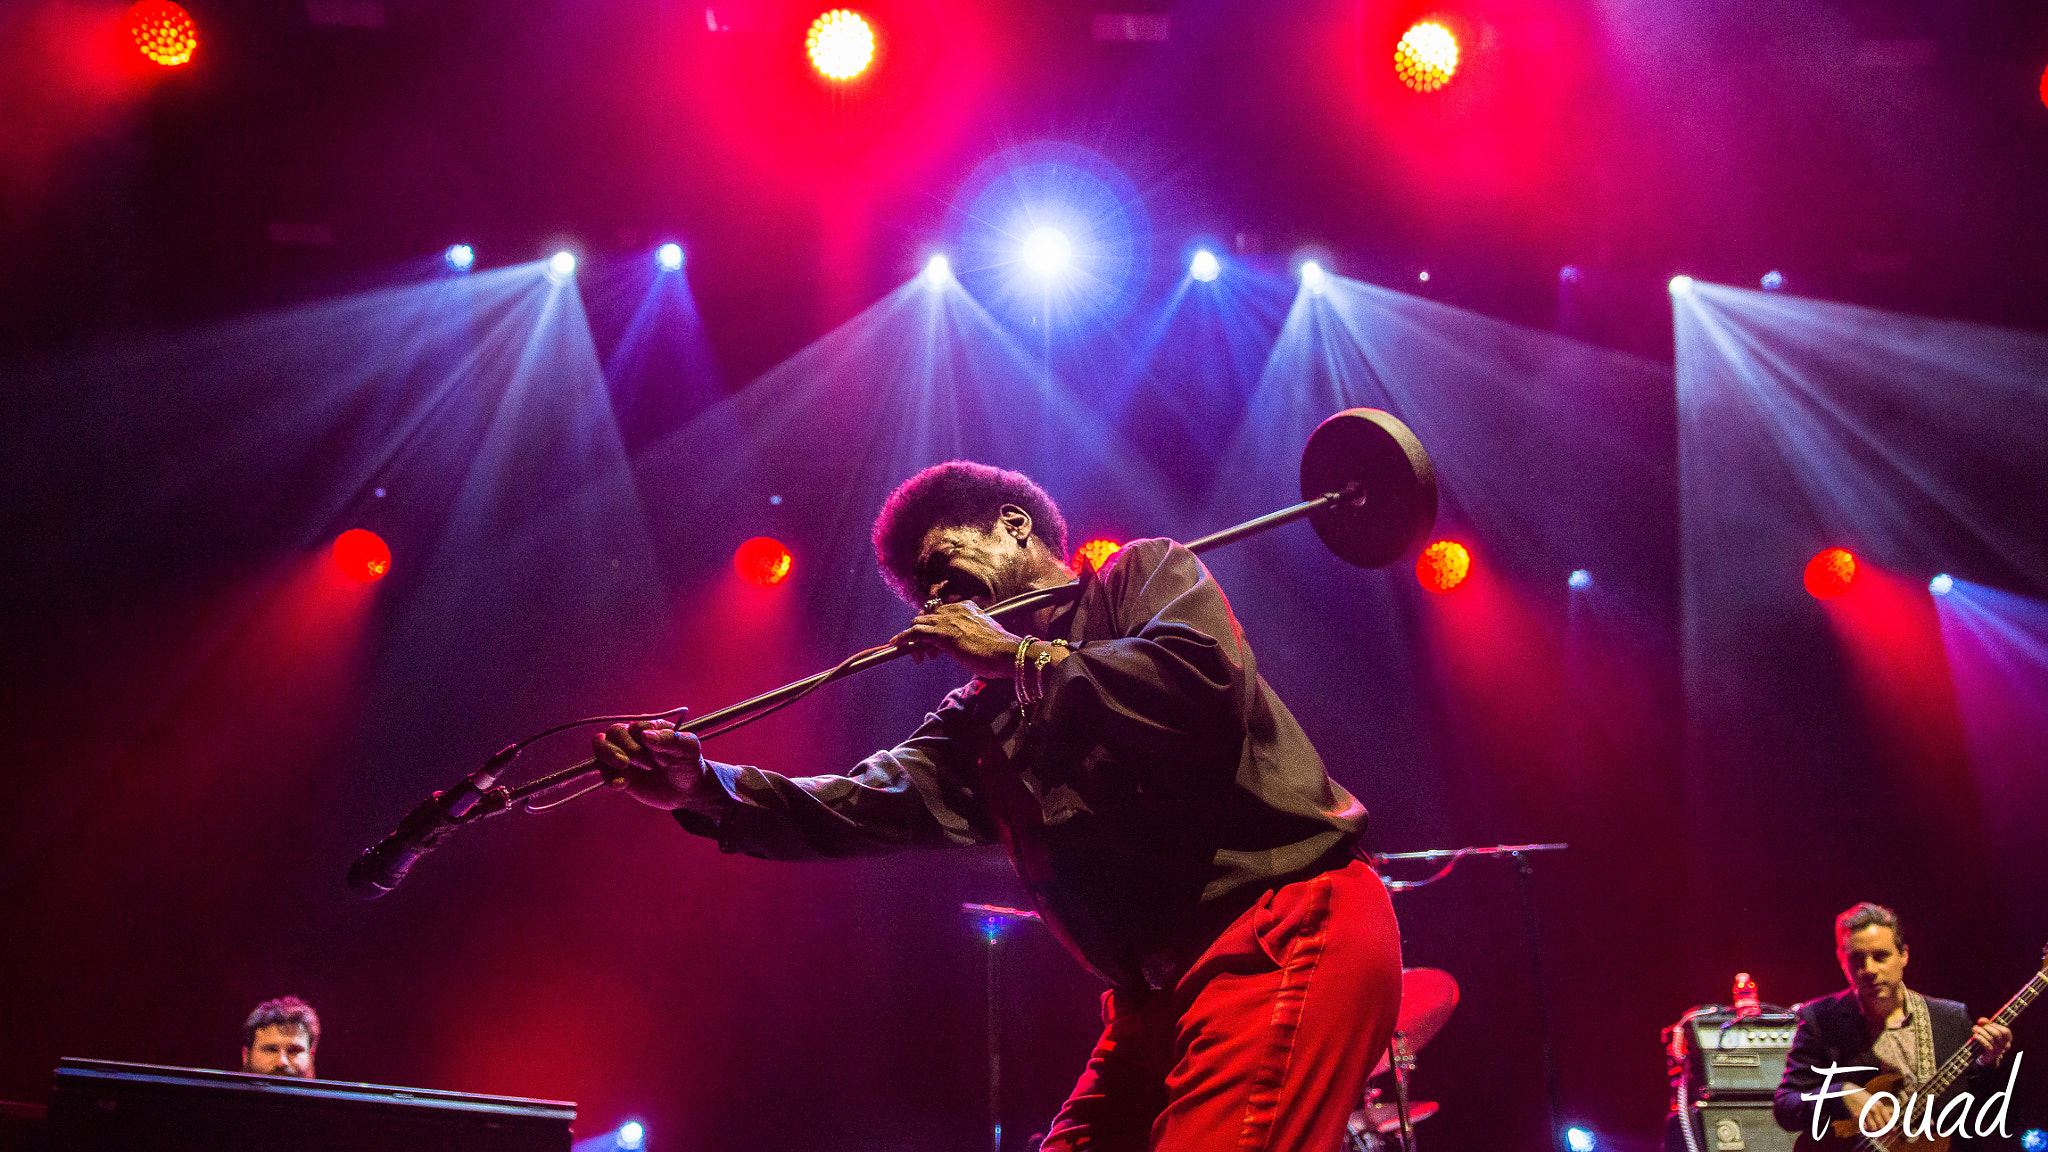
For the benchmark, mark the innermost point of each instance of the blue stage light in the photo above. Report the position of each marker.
(938, 271)
(459, 257)
(1942, 584)
(1580, 578)
(1048, 251)
(1681, 285)
(561, 266)
(1314, 278)
(1580, 1139)
(632, 1135)
(669, 257)
(1204, 266)
(2034, 1140)
(1772, 281)
(1569, 274)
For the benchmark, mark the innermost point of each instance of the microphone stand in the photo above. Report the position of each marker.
(994, 918)
(1519, 853)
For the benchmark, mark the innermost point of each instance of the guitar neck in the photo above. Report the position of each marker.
(1953, 1068)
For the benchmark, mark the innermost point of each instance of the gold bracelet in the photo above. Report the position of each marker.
(1017, 682)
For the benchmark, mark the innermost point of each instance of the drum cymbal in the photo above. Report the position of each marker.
(1427, 997)
(1385, 1119)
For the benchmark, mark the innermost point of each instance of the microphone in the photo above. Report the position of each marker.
(383, 866)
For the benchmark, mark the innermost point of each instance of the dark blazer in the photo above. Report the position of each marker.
(1831, 1031)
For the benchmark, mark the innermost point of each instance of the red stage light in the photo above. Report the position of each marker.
(163, 32)
(762, 561)
(2044, 85)
(1427, 57)
(840, 44)
(1443, 565)
(1830, 573)
(362, 555)
(1095, 552)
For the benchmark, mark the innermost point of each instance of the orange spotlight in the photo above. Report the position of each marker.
(1096, 552)
(1443, 565)
(1830, 573)
(762, 561)
(1427, 56)
(163, 32)
(362, 555)
(840, 44)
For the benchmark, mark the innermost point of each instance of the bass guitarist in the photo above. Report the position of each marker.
(1877, 1022)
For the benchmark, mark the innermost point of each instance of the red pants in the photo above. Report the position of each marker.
(1264, 1044)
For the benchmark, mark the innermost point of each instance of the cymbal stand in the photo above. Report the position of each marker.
(1402, 1062)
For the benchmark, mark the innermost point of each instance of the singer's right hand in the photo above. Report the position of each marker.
(658, 766)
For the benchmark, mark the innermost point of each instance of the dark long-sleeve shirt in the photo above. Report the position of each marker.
(1158, 788)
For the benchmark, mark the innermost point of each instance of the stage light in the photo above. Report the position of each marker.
(2034, 1139)
(1580, 578)
(1204, 267)
(163, 32)
(1314, 278)
(1772, 281)
(632, 1135)
(1830, 573)
(840, 44)
(1443, 565)
(1423, 276)
(1580, 1139)
(1047, 250)
(362, 555)
(669, 257)
(1096, 552)
(2044, 100)
(1942, 584)
(561, 266)
(937, 271)
(762, 561)
(459, 257)
(1427, 57)
(1681, 285)
(1570, 274)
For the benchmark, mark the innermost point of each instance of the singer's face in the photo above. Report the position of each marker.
(280, 1050)
(969, 563)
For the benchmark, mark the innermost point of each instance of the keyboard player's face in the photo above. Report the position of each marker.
(280, 1050)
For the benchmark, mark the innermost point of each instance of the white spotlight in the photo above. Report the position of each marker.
(669, 257)
(1048, 250)
(631, 1135)
(1942, 584)
(561, 266)
(1681, 285)
(1580, 578)
(459, 257)
(937, 271)
(1314, 278)
(1423, 276)
(1205, 267)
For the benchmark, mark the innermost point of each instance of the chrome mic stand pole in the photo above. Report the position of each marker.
(994, 918)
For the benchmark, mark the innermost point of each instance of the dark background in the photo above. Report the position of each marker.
(203, 726)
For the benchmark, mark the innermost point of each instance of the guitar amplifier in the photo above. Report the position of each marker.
(1727, 1055)
(1729, 1126)
(102, 1106)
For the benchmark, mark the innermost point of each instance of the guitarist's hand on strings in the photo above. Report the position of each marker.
(658, 766)
(1994, 1038)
